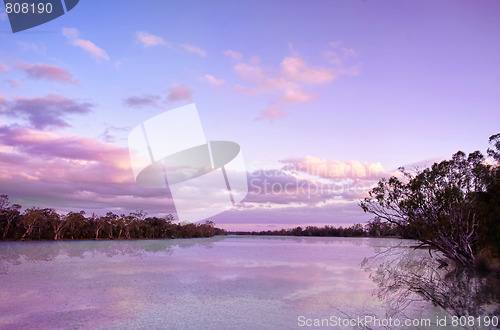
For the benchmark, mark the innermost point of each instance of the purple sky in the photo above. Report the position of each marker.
(324, 97)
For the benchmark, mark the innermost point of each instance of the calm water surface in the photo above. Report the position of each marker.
(218, 283)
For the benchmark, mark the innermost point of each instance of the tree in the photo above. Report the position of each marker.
(495, 141)
(97, 224)
(443, 206)
(8, 213)
(56, 223)
(439, 205)
(30, 220)
(75, 223)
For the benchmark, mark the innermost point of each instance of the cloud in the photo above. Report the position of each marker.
(233, 54)
(44, 112)
(70, 33)
(288, 195)
(337, 55)
(293, 73)
(70, 173)
(14, 83)
(3, 16)
(292, 97)
(334, 169)
(31, 46)
(290, 79)
(44, 71)
(212, 80)
(3, 67)
(142, 101)
(106, 136)
(97, 53)
(297, 70)
(118, 64)
(179, 93)
(92, 49)
(272, 113)
(149, 40)
(194, 49)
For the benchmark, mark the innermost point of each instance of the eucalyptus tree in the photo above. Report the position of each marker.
(442, 206)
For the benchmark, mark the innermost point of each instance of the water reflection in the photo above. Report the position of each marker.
(13, 253)
(216, 283)
(408, 278)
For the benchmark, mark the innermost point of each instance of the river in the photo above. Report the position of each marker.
(233, 282)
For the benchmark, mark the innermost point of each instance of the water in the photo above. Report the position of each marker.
(218, 283)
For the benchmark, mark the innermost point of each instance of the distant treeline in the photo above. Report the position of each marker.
(374, 228)
(46, 224)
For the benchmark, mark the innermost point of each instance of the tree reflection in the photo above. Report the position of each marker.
(14, 253)
(409, 277)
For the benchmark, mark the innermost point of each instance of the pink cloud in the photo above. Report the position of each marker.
(293, 73)
(194, 49)
(3, 67)
(289, 80)
(44, 112)
(212, 80)
(70, 173)
(292, 97)
(233, 54)
(96, 52)
(334, 169)
(179, 93)
(272, 113)
(298, 70)
(149, 40)
(44, 71)
(288, 196)
(92, 49)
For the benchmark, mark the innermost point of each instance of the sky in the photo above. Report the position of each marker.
(324, 97)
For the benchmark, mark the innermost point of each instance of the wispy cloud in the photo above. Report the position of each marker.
(292, 97)
(31, 46)
(233, 54)
(337, 54)
(44, 112)
(149, 40)
(179, 93)
(45, 71)
(14, 83)
(73, 35)
(3, 67)
(212, 80)
(272, 113)
(194, 49)
(142, 101)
